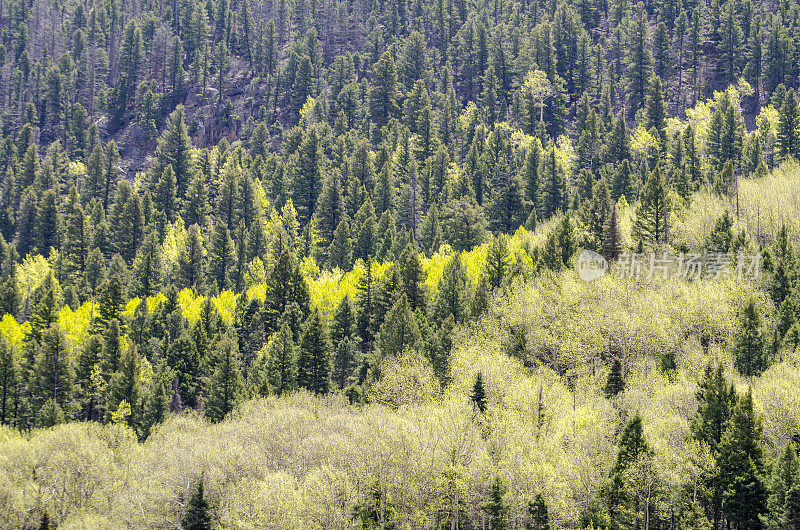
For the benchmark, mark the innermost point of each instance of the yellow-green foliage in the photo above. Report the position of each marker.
(302, 461)
(75, 324)
(767, 203)
(13, 331)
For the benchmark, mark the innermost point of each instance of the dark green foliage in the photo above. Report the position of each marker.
(225, 385)
(314, 362)
(198, 511)
(478, 395)
(615, 382)
(537, 513)
(495, 506)
(749, 349)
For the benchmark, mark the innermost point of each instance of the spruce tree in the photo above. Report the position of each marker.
(452, 293)
(497, 262)
(537, 512)
(175, 149)
(225, 384)
(340, 253)
(281, 355)
(789, 126)
(222, 257)
(496, 507)
(652, 211)
(615, 383)
(478, 395)
(314, 363)
(53, 375)
(791, 511)
(741, 466)
(750, 353)
(197, 515)
(400, 330)
(9, 379)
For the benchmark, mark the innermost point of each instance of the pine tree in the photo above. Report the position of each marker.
(497, 262)
(478, 395)
(612, 240)
(615, 384)
(340, 253)
(789, 126)
(652, 211)
(225, 385)
(452, 293)
(314, 363)
(9, 379)
(496, 507)
(785, 475)
(400, 330)
(640, 58)
(125, 386)
(165, 191)
(539, 518)
(750, 354)
(197, 515)
(716, 402)
(52, 376)
(222, 257)
(147, 268)
(383, 90)
(741, 467)
(791, 511)
(553, 194)
(308, 176)
(191, 259)
(657, 110)
(175, 149)
(281, 359)
(110, 304)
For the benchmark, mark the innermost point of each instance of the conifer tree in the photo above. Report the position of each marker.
(741, 467)
(750, 353)
(615, 383)
(314, 362)
(652, 211)
(222, 257)
(9, 379)
(497, 262)
(478, 395)
(399, 331)
(340, 253)
(147, 268)
(785, 475)
(225, 384)
(383, 90)
(125, 385)
(612, 242)
(175, 149)
(197, 515)
(281, 354)
(496, 507)
(53, 375)
(539, 518)
(553, 194)
(452, 293)
(789, 126)
(191, 259)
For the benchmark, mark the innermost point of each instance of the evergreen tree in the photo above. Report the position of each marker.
(750, 353)
(615, 383)
(314, 363)
(497, 262)
(652, 211)
(225, 385)
(496, 507)
(222, 257)
(539, 518)
(741, 467)
(197, 515)
(9, 379)
(452, 293)
(400, 330)
(789, 126)
(147, 268)
(612, 240)
(281, 359)
(478, 395)
(52, 376)
(340, 253)
(175, 149)
(383, 90)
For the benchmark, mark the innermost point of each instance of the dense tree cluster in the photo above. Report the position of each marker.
(151, 149)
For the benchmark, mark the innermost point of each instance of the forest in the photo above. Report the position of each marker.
(300, 264)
